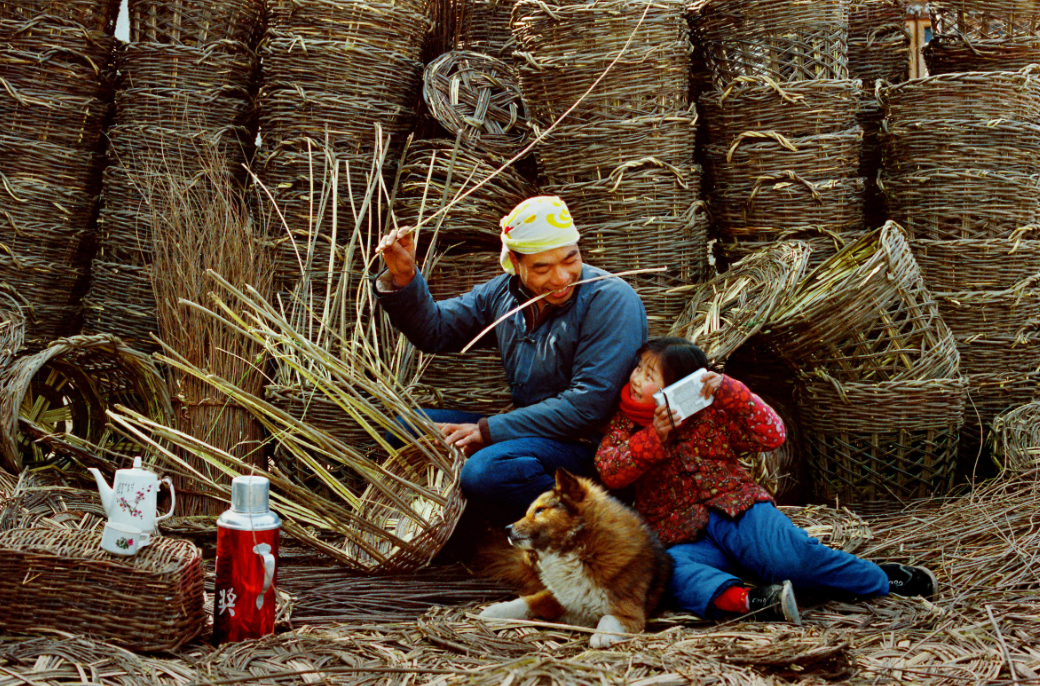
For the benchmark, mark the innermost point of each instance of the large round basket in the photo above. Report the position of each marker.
(399, 26)
(879, 43)
(53, 402)
(1015, 439)
(475, 97)
(96, 15)
(727, 310)
(755, 154)
(953, 53)
(224, 64)
(967, 264)
(1011, 312)
(195, 23)
(985, 19)
(910, 146)
(784, 201)
(989, 96)
(67, 120)
(876, 447)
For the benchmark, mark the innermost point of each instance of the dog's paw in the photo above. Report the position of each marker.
(514, 609)
(610, 624)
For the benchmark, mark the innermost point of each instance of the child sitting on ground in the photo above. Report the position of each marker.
(721, 527)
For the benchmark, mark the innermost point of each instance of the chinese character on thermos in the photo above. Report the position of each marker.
(247, 557)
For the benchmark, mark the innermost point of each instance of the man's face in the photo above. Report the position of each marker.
(551, 272)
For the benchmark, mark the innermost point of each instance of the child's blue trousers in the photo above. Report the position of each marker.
(763, 545)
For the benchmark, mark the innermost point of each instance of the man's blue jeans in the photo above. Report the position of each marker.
(763, 545)
(501, 480)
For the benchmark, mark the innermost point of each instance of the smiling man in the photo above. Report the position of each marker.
(566, 356)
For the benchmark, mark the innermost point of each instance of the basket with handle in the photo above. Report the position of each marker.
(756, 154)
(784, 201)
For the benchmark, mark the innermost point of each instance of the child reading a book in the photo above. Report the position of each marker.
(721, 527)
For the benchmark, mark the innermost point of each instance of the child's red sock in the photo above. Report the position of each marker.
(733, 599)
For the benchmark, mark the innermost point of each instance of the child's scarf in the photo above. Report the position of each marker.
(642, 413)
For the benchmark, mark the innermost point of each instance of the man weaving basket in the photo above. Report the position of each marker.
(566, 356)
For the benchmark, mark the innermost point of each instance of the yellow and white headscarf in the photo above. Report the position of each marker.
(536, 225)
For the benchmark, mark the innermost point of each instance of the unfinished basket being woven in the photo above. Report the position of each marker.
(786, 40)
(54, 401)
(798, 108)
(877, 447)
(475, 97)
(988, 96)
(865, 315)
(950, 53)
(62, 580)
(910, 146)
(951, 203)
(975, 19)
(473, 382)
(976, 265)
(730, 308)
(1015, 439)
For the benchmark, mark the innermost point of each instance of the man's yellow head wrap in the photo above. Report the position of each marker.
(536, 225)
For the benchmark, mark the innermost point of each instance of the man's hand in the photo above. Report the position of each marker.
(398, 251)
(663, 424)
(465, 437)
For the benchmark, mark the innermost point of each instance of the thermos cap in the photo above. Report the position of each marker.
(249, 494)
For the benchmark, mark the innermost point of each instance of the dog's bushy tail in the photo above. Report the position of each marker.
(497, 559)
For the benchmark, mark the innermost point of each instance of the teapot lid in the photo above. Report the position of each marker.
(137, 471)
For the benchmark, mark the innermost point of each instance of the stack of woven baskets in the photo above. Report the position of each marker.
(962, 170)
(880, 399)
(483, 26)
(983, 35)
(606, 87)
(54, 69)
(332, 71)
(184, 98)
(785, 142)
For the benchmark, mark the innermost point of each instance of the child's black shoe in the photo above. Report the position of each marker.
(907, 580)
(774, 603)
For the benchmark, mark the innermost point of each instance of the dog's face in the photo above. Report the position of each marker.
(553, 518)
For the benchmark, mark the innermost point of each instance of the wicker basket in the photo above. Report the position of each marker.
(785, 40)
(783, 202)
(54, 401)
(395, 25)
(185, 109)
(574, 153)
(473, 382)
(454, 274)
(410, 528)
(33, 506)
(990, 394)
(80, 72)
(484, 27)
(976, 265)
(50, 292)
(475, 97)
(95, 15)
(1011, 95)
(865, 315)
(876, 447)
(1009, 312)
(985, 19)
(958, 203)
(727, 310)
(223, 64)
(121, 300)
(1015, 439)
(665, 295)
(195, 23)
(792, 109)
(993, 353)
(949, 54)
(754, 154)
(68, 121)
(920, 145)
(62, 580)
(821, 246)
(879, 43)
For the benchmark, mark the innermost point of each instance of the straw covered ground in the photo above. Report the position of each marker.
(422, 628)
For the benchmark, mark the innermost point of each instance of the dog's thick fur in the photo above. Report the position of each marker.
(581, 557)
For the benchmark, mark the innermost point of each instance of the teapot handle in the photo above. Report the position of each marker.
(169, 482)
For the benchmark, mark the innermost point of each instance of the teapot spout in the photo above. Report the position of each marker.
(103, 489)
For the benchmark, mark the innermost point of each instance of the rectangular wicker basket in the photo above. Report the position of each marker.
(62, 579)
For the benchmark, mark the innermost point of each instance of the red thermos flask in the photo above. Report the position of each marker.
(247, 560)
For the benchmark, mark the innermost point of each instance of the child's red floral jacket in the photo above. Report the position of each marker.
(696, 469)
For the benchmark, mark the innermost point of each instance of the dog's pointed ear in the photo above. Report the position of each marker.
(568, 486)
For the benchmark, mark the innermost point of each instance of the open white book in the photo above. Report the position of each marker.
(685, 395)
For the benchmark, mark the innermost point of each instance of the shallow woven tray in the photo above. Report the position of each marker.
(475, 97)
(945, 54)
(876, 447)
(994, 19)
(983, 96)
(865, 315)
(195, 23)
(572, 153)
(916, 145)
(1007, 312)
(785, 40)
(727, 310)
(62, 580)
(955, 203)
(398, 26)
(1015, 437)
(976, 265)
(783, 202)
(798, 108)
(756, 154)
(59, 396)
(220, 64)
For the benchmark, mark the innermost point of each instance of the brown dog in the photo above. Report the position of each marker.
(585, 559)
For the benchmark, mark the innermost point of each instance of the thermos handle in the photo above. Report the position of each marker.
(264, 550)
(169, 482)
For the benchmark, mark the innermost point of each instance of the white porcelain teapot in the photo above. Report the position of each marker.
(131, 499)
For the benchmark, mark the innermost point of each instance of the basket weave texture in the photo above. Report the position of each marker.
(1016, 439)
(976, 265)
(784, 201)
(879, 43)
(1011, 95)
(195, 23)
(1011, 147)
(946, 54)
(399, 25)
(755, 154)
(1011, 312)
(63, 580)
(985, 19)
(877, 446)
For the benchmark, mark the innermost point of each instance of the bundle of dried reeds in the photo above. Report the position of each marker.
(198, 224)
